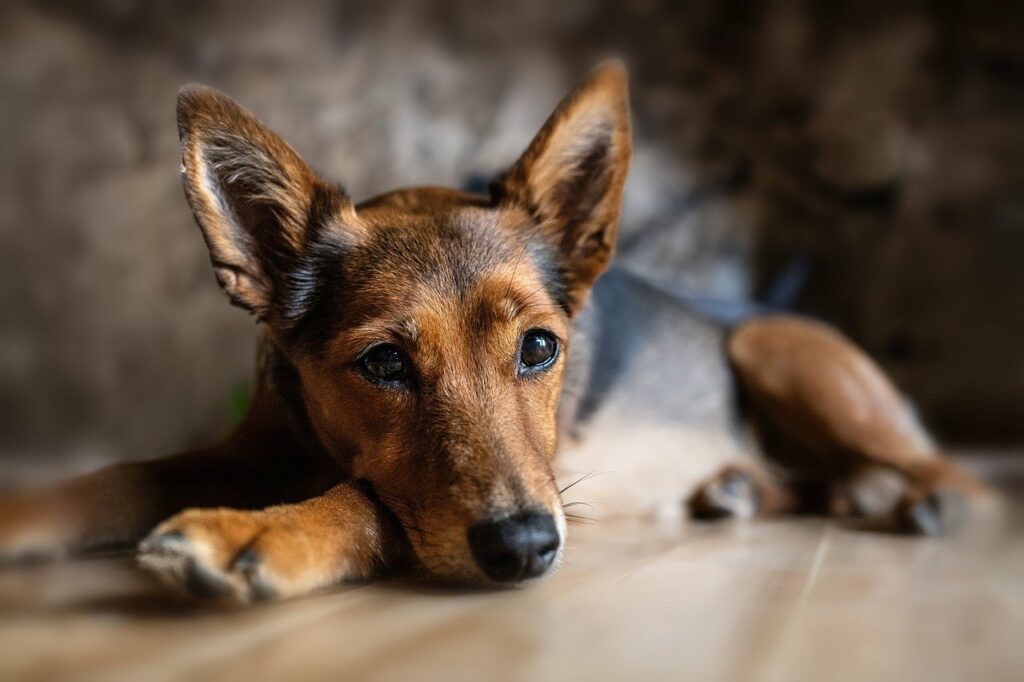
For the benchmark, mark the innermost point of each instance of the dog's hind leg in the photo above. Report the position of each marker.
(825, 412)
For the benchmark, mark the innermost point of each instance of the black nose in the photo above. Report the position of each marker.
(515, 548)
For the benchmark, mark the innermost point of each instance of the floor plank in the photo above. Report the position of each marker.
(780, 600)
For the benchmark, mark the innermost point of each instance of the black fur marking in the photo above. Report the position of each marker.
(308, 304)
(477, 183)
(555, 276)
(288, 386)
(313, 306)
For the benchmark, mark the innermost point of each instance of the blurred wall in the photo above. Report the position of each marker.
(861, 161)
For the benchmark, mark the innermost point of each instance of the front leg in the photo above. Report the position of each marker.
(742, 491)
(118, 505)
(282, 551)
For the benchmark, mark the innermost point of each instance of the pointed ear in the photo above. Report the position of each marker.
(571, 177)
(255, 200)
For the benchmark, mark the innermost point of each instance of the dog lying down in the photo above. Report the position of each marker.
(429, 358)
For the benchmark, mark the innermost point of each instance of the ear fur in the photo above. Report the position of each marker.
(572, 175)
(252, 195)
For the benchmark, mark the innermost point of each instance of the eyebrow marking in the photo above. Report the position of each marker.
(509, 308)
(408, 329)
(405, 330)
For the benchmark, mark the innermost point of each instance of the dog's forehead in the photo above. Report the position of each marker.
(464, 259)
(445, 251)
(450, 257)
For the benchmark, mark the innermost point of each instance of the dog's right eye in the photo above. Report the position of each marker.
(384, 364)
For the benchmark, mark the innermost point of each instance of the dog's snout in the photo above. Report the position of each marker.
(515, 548)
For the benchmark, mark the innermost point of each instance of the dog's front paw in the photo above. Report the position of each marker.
(238, 556)
(732, 493)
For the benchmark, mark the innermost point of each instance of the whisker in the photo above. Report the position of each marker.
(575, 504)
(576, 518)
(580, 480)
(545, 285)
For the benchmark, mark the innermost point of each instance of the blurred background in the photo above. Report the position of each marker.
(859, 161)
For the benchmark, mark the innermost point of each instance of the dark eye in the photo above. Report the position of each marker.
(384, 364)
(538, 351)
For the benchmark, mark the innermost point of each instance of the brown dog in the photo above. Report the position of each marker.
(423, 354)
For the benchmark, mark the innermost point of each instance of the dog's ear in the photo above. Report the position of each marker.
(255, 199)
(572, 175)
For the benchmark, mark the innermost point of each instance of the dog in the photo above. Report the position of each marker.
(425, 353)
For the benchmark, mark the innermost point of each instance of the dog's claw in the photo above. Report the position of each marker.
(164, 543)
(249, 563)
(204, 583)
(937, 513)
(170, 556)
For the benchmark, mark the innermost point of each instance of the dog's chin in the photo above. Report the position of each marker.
(457, 577)
(470, 577)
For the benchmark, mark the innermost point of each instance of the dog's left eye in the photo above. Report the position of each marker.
(538, 350)
(384, 364)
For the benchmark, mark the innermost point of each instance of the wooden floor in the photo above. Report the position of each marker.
(782, 600)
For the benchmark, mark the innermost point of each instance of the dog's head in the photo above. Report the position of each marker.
(429, 328)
